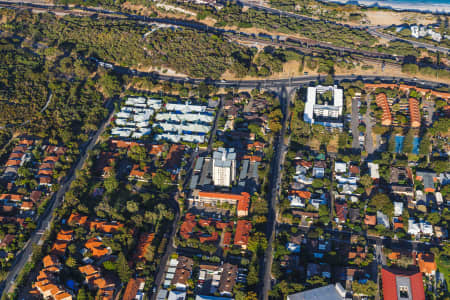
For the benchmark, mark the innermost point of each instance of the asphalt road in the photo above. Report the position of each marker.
(275, 183)
(391, 37)
(46, 218)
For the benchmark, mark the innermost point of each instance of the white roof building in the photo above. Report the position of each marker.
(382, 219)
(374, 170)
(296, 201)
(176, 295)
(185, 108)
(340, 167)
(322, 109)
(398, 208)
(413, 227)
(426, 228)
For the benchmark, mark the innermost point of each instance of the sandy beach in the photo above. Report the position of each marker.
(421, 6)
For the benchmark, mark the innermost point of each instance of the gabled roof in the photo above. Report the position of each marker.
(242, 234)
(133, 287)
(427, 264)
(394, 278)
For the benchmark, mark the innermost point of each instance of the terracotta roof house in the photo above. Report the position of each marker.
(26, 205)
(242, 234)
(414, 112)
(386, 118)
(11, 197)
(59, 248)
(205, 238)
(134, 289)
(157, 150)
(89, 270)
(13, 162)
(341, 211)
(50, 261)
(187, 226)
(243, 205)
(77, 219)
(370, 220)
(402, 284)
(139, 173)
(96, 247)
(65, 235)
(427, 264)
(103, 226)
(45, 180)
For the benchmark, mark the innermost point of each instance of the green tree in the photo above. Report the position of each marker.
(111, 183)
(132, 206)
(71, 262)
(123, 269)
(410, 68)
(382, 203)
(424, 147)
(82, 294)
(161, 179)
(408, 142)
(366, 181)
(369, 288)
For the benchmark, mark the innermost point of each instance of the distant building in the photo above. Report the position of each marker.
(324, 106)
(402, 284)
(224, 166)
(329, 292)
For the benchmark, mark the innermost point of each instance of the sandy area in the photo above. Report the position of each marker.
(391, 17)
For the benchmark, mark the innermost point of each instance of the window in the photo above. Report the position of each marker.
(404, 292)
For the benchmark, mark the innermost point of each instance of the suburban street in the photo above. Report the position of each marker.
(46, 218)
(275, 183)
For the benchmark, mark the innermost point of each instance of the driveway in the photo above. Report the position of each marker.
(355, 122)
(369, 124)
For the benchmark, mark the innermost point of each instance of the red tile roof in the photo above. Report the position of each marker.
(132, 289)
(187, 226)
(414, 112)
(389, 279)
(76, 218)
(243, 205)
(242, 234)
(386, 118)
(427, 264)
(11, 197)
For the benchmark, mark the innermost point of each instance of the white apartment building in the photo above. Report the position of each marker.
(319, 111)
(224, 166)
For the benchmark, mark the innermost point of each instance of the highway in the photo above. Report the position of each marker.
(46, 218)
